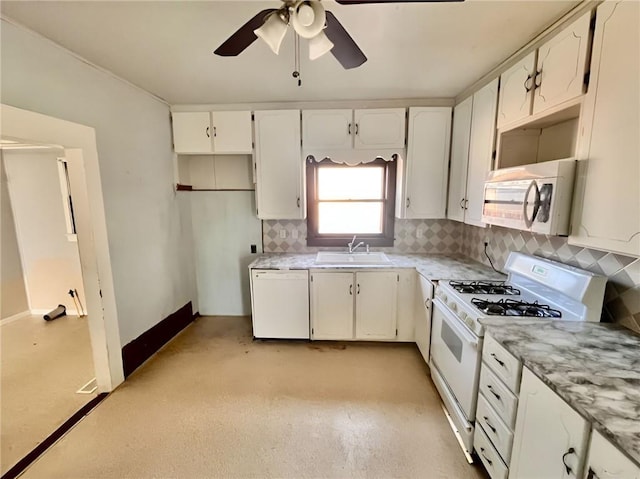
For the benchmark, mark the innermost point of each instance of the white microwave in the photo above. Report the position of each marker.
(534, 198)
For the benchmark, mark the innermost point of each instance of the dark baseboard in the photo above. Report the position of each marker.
(27, 460)
(148, 343)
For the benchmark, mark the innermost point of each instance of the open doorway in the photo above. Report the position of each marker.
(47, 369)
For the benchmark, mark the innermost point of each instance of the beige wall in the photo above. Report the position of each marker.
(51, 263)
(13, 297)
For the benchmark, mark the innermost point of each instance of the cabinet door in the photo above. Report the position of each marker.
(192, 132)
(424, 294)
(562, 63)
(607, 210)
(382, 128)
(332, 305)
(459, 159)
(483, 131)
(605, 461)
(327, 129)
(232, 132)
(279, 165)
(425, 186)
(376, 305)
(516, 91)
(547, 430)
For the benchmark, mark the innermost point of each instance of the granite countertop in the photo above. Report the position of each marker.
(431, 266)
(594, 367)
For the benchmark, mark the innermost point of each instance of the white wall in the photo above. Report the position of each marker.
(153, 271)
(13, 297)
(51, 263)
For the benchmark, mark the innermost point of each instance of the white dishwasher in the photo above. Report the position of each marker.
(280, 303)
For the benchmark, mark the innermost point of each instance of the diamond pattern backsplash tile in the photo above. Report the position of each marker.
(622, 294)
(411, 236)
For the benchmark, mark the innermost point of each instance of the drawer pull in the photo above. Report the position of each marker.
(501, 363)
(569, 451)
(486, 419)
(493, 392)
(485, 457)
(592, 474)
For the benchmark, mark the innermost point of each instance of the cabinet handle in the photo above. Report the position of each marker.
(466, 204)
(358, 289)
(527, 87)
(486, 419)
(462, 203)
(427, 303)
(208, 135)
(485, 457)
(215, 132)
(408, 202)
(349, 128)
(536, 83)
(356, 128)
(592, 474)
(493, 392)
(298, 201)
(501, 363)
(569, 451)
(351, 289)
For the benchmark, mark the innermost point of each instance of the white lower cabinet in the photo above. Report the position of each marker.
(605, 461)
(350, 305)
(422, 314)
(550, 437)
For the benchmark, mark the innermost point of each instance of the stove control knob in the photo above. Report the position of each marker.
(463, 316)
(453, 306)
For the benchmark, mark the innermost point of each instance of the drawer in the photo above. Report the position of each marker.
(501, 399)
(497, 431)
(489, 456)
(501, 362)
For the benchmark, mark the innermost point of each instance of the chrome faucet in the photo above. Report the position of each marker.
(352, 249)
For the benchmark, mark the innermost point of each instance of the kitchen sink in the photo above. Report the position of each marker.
(338, 258)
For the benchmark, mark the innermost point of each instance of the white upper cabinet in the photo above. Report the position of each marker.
(605, 461)
(346, 129)
(376, 305)
(381, 128)
(459, 159)
(327, 129)
(516, 91)
(424, 176)
(561, 65)
(550, 437)
(481, 143)
(279, 165)
(192, 132)
(223, 132)
(607, 205)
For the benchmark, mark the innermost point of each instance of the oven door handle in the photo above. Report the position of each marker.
(456, 324)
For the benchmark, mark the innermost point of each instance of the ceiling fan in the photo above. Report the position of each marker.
(309, 20)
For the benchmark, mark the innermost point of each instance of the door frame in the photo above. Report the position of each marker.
(79, 143)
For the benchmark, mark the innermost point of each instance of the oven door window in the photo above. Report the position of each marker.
(451, 339)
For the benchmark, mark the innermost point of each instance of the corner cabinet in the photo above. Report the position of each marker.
(218, 132)
(550, 437)
(422, 314)
(607, 201)
(605, 461)
(348, 305)
(481, 141)
(422, 177)
(279, 165)
(347, 129)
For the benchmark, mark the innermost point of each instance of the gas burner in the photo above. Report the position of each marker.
(484, 287)
(511, 307)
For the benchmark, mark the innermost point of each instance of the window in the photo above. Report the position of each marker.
(346, 200)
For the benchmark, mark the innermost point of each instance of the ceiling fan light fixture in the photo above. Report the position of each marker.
(319, 45)
(272, 32)
(308, 18)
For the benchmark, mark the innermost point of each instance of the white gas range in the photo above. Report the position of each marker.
(536, 288)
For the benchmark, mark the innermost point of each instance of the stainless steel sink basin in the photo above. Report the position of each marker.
(338, 258)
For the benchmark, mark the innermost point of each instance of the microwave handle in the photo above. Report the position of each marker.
(536, 205)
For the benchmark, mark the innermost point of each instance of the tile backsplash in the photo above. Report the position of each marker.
(622, 294)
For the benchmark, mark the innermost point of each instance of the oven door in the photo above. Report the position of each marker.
(456, 353)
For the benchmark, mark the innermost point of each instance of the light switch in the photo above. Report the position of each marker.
(283, 234)
(294, 234)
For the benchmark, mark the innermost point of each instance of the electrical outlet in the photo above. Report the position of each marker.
(294, 234)
(283, 234)
(419, 233)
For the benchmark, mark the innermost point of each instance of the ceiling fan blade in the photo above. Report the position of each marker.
(359, 2)
(244, 36)
(344, 48)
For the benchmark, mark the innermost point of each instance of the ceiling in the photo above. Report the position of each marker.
(415, 50)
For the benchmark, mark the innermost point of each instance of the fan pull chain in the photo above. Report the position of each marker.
(296, 59)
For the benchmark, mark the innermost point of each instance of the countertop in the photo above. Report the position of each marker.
(431, 266)
(593, 367)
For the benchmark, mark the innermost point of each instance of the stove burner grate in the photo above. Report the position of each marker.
(511, 307)
(484, 287)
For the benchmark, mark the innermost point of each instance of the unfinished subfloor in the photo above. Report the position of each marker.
(214, 403)
(43, 364)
